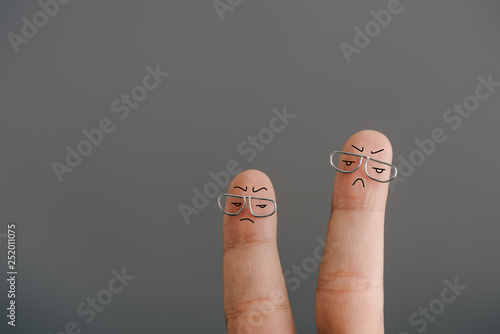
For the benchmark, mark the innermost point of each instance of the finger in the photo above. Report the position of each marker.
(255, 295)
(349, 296)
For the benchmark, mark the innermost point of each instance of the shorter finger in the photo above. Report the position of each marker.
(255, 295)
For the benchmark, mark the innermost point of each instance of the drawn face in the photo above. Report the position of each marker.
(377, 169)
(363, 167)
(247, 203)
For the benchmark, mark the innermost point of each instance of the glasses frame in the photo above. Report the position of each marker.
(366, 165)
(245, 203)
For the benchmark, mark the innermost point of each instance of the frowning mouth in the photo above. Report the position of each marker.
(242, 219)
(359, 179)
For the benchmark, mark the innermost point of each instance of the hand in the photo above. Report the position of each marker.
(349, 296)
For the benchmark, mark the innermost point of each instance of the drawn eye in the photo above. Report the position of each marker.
(236, 204)
(348, 162)
(379, 170)
(262, 206)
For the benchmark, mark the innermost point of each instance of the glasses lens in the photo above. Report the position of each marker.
(262, 207)
(345, 162)
(380, 171)
(231, 205)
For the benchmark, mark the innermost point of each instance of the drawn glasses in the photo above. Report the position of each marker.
(376, 170)
(232, 205)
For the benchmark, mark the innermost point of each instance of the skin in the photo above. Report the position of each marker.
(349, 296)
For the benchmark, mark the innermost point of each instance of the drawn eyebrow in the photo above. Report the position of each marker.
(253, 189)
(358, 148)
(377, 151)
(241, 188)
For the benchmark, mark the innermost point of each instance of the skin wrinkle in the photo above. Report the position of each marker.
(261, 311)
(346, 282)
(263, 304)
(260, 307)
(243, 243)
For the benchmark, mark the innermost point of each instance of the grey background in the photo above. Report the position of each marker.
(119, 208)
